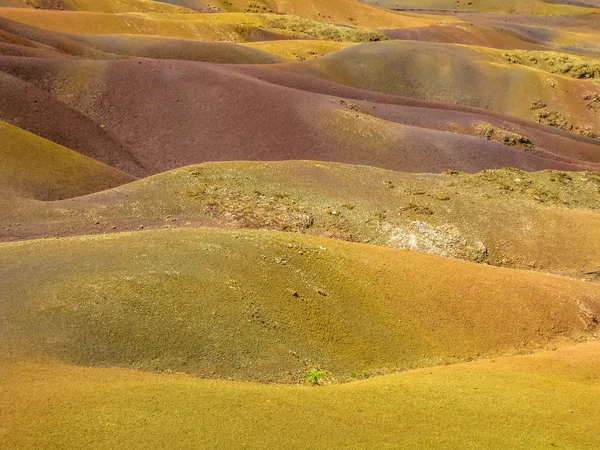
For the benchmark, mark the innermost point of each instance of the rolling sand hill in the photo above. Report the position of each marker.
(456, 74)
(535, 402)
(507, 217)
(98, 5)
(209, 27)
(535, 7)
(194, 301)
(209, 110)
(567, 33)
(346, 12)
(24, 40)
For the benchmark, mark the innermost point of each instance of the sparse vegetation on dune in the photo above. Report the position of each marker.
(559, 63)
(503, 136)
(527, 224)
(321, 30)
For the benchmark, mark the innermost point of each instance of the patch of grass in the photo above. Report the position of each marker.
(490, 132)
(557, 120)
(321, 30)
(593, 100)
(417, 209)
(554, 62)
(255, 7)
(155, 366)
(314, 376)
(360, 374)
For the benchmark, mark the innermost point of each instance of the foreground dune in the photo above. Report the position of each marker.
(537, 401)
(269, 306)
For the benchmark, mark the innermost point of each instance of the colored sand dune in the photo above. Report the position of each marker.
(297, 224)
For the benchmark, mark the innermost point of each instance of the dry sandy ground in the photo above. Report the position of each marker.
(204, 202)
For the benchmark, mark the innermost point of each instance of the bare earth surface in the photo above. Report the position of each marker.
(286, 224)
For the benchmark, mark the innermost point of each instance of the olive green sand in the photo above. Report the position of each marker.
(540, 401)
(261, 305)
(33, 167)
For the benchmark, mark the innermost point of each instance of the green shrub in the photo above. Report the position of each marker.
(314, 376)
(322, 30)
(361, 374)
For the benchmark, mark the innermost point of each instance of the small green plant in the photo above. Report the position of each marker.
(314, 376)
(361, 374)
(155, 366)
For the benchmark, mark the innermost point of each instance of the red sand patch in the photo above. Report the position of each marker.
(153, 116)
